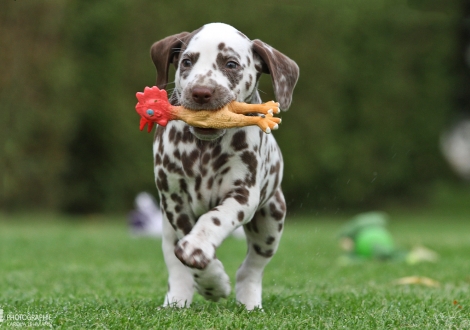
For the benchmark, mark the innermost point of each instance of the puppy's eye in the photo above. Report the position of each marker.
(186, 63)
(231, 65)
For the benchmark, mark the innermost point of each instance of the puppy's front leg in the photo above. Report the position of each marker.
(197, 249)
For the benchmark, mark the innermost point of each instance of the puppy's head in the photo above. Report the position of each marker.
(217, 64)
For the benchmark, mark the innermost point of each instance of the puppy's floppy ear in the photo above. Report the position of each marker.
(164, 52)
(284, 71)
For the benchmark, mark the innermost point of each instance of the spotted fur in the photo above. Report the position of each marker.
(212, 181)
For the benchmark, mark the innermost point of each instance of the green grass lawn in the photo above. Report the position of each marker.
(89, 273)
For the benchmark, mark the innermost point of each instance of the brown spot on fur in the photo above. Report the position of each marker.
(263, 191)
(216, 221)
(220, 161)
(209, 183)
(179, 138)
(166, 161)
(184, 189)
(266, 254)
(241, 195)
(188, 161)
(280, 201)
(158, 160)
(249, 82)
(206, 158)
(275, 213)
(174, 168)
(172, 134)
(195, 260)
(170, 217)
(160, 148)
(216, 151)
(187, 136)
(177, 199)
(270, 240)
(239, 140)
(163, 202)
(275, 168)
(183, 223)
(250, 160)
(162, 182)
(197, 184)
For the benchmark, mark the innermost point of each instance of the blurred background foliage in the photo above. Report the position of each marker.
(377, 88)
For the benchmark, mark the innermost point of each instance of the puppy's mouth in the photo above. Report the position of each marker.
(207, 134)
(217, 98)
(211, 106)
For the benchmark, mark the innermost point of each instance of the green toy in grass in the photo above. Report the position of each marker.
(366, 236)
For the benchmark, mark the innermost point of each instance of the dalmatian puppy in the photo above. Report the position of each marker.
(211, 181)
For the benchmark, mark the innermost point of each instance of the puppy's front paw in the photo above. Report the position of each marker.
(193, 253)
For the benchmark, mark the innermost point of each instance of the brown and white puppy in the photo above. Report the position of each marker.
(212, 181)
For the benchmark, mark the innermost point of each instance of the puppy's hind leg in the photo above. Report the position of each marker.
(263, 234)
(212, 282)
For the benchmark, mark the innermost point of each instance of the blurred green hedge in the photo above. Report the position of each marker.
(376, 88)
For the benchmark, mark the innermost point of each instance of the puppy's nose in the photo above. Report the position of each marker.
(202, 95)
